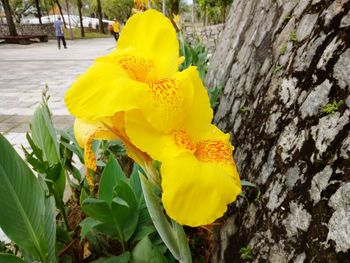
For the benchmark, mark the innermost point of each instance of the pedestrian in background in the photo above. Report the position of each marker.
(116, 29)
(59, 33)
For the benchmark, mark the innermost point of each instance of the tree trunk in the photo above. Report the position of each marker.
(37, 5)
(8, 13)
(284, 66)
(80, 18)
(61, 13)
(99, 13)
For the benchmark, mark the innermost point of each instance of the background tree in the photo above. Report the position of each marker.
(80, 5)
(57, 2)
(121, 9)
(100, 16)
(284, 66)
(9, 20)
(37, 5)
(20, 8)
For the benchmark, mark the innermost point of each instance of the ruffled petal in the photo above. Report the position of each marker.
(155, 143)
(170, 102)
(152, 35)
(85, 132)
(197, 193)
(102, 91)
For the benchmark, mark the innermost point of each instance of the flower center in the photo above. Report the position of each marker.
(138, 67)
(207, 151)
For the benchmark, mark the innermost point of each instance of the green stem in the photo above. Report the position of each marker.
(173, 234)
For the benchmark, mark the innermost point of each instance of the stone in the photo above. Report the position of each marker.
(328, 53)
(298, 219)
(342, 69)
(339, 223)
(319, 183)
(326, 130)
(306, 26)
(317, 98)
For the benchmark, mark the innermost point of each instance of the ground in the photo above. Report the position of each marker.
(25, 71)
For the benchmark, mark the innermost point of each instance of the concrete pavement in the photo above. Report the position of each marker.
(25, 70)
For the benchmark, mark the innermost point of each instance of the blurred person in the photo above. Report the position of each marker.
(58, 24)
(116, 29)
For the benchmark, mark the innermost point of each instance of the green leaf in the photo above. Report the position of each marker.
(146, 252)
(50, 228)
(45, 138)
(123, 258)
(44, 135)
(83, 195)
(22, 201)
(112, 173)
(126, 218)
(86, 225)
(97, 209)
(143, 251)
(160, 221)
(9, 258)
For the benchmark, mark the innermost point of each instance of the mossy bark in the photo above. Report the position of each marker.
(281, 62)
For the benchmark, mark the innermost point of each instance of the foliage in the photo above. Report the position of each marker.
(246, 253)
(332, 107)
(293, 37)
(194, 54)
(77, 35)
(283, 49)
(116, 214)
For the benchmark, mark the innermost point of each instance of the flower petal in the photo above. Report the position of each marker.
(152, 35)
(155, 143)
(102, 91)
(84, 129)
(197, 193)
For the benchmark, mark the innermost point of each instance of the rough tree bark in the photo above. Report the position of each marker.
(280, 63)
(11, 25)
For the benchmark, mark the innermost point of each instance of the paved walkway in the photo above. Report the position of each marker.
(25, 70)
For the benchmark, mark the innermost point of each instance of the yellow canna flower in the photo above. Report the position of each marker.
(142, 73)
(105, 129)
(199, 176)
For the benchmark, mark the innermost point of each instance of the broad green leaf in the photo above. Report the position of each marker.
(146, 252)
(83, 195)
(9, 258)
(45, 138)
(160, 221)
(22, 202)
(44, 135)
(86, 225)
(97, 209)
(123, 258)
(112, 173)
(50, 228)
(135, 183)
(126, 218)
(142, 252)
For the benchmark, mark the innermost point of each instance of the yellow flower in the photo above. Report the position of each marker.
(142, 73)
(199, 176)
(105, 129)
